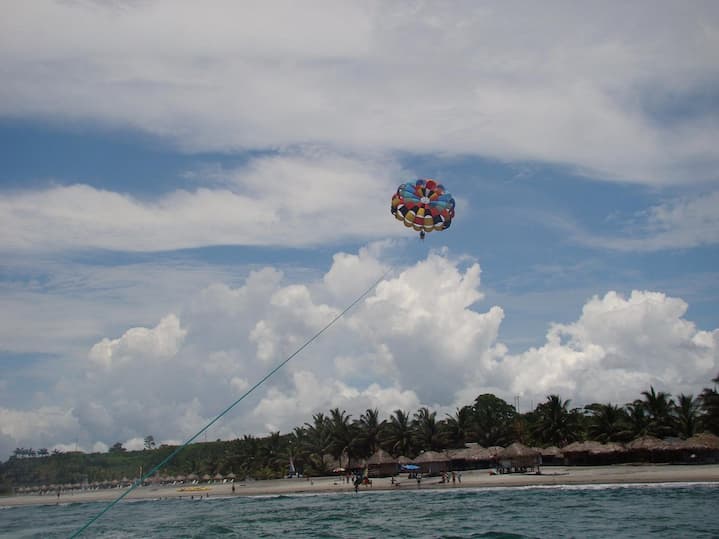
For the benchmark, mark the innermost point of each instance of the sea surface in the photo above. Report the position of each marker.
(669, 510)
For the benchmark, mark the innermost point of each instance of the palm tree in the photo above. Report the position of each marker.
(460, 427)
(397, 434)
(554, 423)
(316, 441)
(660, 410)
(343, 435)
(687, 415)
(493, 420)
(426, 430)
(710, 406)
(608, 423)
(638, 418)
(369, 431)
(271, 449)
(245, 455)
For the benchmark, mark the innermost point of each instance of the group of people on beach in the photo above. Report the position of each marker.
(456, 477)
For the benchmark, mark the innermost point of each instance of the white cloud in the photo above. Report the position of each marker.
(422, 337)
(161, 342)
(617, 348)
(595, 88)
(284, 200)
(43, 426)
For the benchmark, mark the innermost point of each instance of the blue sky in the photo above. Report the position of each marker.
(184, 200)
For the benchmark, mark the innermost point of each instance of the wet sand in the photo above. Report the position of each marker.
(551, 475)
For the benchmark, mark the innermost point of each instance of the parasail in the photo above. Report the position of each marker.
(424, 205)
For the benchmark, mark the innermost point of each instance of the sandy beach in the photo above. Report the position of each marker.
(554, 475)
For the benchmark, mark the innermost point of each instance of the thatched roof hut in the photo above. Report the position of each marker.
(495, 450)
(648, 443)
(551, 454)
(518, 456)
(472, 457)
(431, 456)
(551, 451)
(472, 452)
(649, 448)
(432, 462)
(518, 451)
(381, 457)
(403, 460)
(703, 447)
(382, 464)
(702, 442)
(592, 452)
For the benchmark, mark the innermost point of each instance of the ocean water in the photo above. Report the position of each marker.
(671, 510)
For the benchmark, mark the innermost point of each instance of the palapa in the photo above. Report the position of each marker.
(551, 451)
(648, 443)
(474, 452)
(518, 451)
(593, 448)
(381, 457)
(431, 456)
(381, 463)
(433, 462)
(704, 441)
(518, 457)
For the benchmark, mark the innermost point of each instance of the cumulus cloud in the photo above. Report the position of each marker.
(609, 90)
(160, 342)
(423, 336)
(618, 348)
(289, 199)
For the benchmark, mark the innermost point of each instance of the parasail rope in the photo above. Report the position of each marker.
(167, 459)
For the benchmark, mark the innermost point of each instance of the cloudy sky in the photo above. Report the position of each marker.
(188, 192)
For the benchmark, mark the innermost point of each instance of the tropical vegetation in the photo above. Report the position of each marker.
(337, 440)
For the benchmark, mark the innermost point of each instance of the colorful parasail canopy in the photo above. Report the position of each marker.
(423, 205)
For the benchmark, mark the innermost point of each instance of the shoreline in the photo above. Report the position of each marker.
(550, 476)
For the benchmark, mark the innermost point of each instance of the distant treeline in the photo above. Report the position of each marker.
(336, 439)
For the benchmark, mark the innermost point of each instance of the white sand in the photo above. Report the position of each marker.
(551, 475)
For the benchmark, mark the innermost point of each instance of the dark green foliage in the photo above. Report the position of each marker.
(608, 423)
(493, 421)
(553, 423)
(710, 406)
(313, 447)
